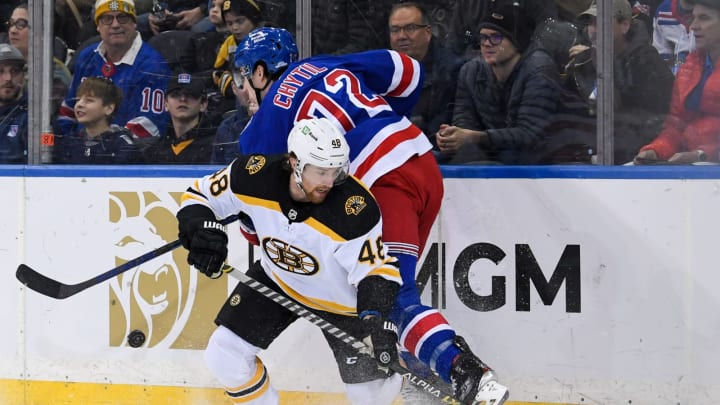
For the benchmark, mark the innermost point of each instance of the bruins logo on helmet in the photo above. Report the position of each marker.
(255, 163)
(354, 205)
(235, 300)
(290, 258)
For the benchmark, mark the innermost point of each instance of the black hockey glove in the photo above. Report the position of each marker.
(383, 338)
(205, 239)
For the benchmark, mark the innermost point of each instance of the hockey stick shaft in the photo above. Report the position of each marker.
(55, 289)
(432, 386)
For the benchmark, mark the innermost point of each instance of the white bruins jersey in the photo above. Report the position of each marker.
(316, 253)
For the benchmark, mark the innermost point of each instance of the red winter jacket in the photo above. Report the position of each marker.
(685, 130)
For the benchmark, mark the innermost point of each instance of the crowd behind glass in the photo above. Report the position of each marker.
(506, 81)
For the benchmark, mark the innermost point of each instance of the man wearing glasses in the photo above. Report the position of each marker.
(13, 106)
(121, 56)
(411, 33)
(510, 107)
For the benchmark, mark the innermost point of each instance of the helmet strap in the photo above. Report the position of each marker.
(297, 173)
(258, 91)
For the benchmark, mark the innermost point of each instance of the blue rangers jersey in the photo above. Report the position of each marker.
(316, 253)
(142, 75)
(369, 95)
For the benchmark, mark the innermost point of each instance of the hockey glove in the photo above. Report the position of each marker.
(206, 241)
(223, 79)
(382, 340)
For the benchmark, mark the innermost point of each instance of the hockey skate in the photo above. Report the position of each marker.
(473, 382)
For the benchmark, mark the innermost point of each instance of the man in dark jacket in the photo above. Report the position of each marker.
(411, 33)
(467, 15)
(510, 107)
(643, 81)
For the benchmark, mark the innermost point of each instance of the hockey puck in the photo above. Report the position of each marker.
(136, 338)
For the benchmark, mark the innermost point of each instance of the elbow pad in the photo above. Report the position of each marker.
(376, 296)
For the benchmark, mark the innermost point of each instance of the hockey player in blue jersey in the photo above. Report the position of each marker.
(368, 97)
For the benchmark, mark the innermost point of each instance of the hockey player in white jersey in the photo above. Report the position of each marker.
(320, 236)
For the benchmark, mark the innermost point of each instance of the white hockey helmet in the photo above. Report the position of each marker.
(318, 142)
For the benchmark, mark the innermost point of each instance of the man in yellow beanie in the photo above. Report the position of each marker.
(121, 56)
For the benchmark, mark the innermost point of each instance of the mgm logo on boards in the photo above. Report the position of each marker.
(171, 303)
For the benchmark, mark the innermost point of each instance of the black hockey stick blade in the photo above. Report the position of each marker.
(431, 385)
(55, 289)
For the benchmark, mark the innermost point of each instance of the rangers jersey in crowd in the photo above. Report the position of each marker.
(369, 95)
(316, 253)
(142, 74)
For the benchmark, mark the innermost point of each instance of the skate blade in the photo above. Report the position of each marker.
(492, 393)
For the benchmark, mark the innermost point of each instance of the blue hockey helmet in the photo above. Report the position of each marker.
(275, 47)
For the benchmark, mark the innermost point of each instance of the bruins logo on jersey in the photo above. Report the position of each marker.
(354, 205)
(255, 163)
(290, 258)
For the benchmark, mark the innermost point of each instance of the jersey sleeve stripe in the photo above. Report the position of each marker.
(402, 248)
(387, 144)
(406, 76)
(391, 273)
(186, 197)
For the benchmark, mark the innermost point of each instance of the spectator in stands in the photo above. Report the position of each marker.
(671, 37)
(215, 15)
(139, 70)
(173, 15)
(206, 45)
(509, 105)
(690, 132)
(411, 33)
(643, 81)
(189, 138)
(240, 17)
(643, 12)
(18, 28)
(99, 141)
(18, 35)
(348, 26)
(13, 106)
(212, 22)
(467, 15)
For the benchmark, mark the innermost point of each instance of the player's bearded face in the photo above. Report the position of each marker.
(318, 181)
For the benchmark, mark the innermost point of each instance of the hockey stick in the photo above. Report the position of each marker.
(55, 289)
(432, 385)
